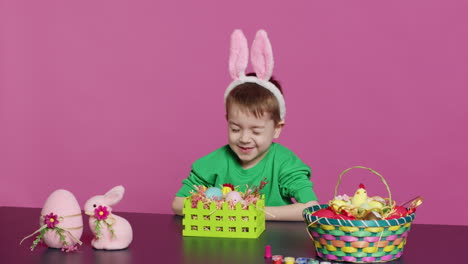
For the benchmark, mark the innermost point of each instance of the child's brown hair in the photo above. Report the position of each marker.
(255, 99)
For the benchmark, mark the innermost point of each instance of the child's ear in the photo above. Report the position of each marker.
(278, 129)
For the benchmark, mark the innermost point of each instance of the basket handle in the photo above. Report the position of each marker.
(369, 169)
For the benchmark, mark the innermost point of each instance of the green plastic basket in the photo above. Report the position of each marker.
(224, 222)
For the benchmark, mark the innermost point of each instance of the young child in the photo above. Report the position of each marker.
(255, 112)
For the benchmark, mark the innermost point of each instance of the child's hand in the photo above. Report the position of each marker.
(178, 205)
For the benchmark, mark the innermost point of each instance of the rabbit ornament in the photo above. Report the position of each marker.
(111, 232)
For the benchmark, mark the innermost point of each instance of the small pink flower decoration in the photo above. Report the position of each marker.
(69, 249)
(101, 213)
(51, 220)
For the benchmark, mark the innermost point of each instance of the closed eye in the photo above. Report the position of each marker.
(258, 130)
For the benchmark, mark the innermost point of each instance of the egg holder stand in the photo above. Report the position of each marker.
(223, 222)
(358, 241)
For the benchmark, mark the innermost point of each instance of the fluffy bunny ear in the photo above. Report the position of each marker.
(114, 195)
(261, 56)
(239, 54)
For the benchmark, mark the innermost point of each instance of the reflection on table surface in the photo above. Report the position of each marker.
(98, 256)
(158, 238)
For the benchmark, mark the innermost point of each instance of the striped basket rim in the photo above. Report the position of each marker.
(309, 218)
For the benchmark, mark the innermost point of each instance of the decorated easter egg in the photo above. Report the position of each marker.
(372, 215)
(234, 196)
(62, 215)
(375, 204)
(214, 193)
(400, 211)
(342, 216)
(364, 206)
(325, 212)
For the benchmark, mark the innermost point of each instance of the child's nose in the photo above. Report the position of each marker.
(244, 138)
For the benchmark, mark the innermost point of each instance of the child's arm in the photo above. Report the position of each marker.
(194, 179)
(294, 182)
(292, 212)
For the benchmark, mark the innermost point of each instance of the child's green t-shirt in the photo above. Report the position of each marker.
(286, 175)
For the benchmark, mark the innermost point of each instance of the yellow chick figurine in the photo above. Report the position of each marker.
(227, 188)
(360, 197)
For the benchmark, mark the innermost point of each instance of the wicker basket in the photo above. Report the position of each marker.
(223, 222)
(357, 241)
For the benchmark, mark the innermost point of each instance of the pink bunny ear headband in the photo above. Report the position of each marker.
(261, 56)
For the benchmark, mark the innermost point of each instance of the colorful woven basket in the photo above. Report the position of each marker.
(223, 222)
(357, 241)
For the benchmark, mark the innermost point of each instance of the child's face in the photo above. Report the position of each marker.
(249, 136)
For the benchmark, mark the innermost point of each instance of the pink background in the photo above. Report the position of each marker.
(99, 93)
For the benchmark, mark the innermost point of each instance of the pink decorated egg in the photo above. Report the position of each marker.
(234, 196)
(61, 211)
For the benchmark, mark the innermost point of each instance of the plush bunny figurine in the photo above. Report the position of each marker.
(110, 231)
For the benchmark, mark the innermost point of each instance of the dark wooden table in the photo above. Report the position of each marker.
(158, 239)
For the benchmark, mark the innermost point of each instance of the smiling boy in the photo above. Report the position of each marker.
(255, 112)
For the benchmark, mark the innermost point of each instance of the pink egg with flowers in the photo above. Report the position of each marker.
(234, 196)
(61, 212)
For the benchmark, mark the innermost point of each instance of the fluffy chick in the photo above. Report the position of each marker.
(360, 197)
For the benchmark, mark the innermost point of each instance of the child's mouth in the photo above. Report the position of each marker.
(245, 150)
